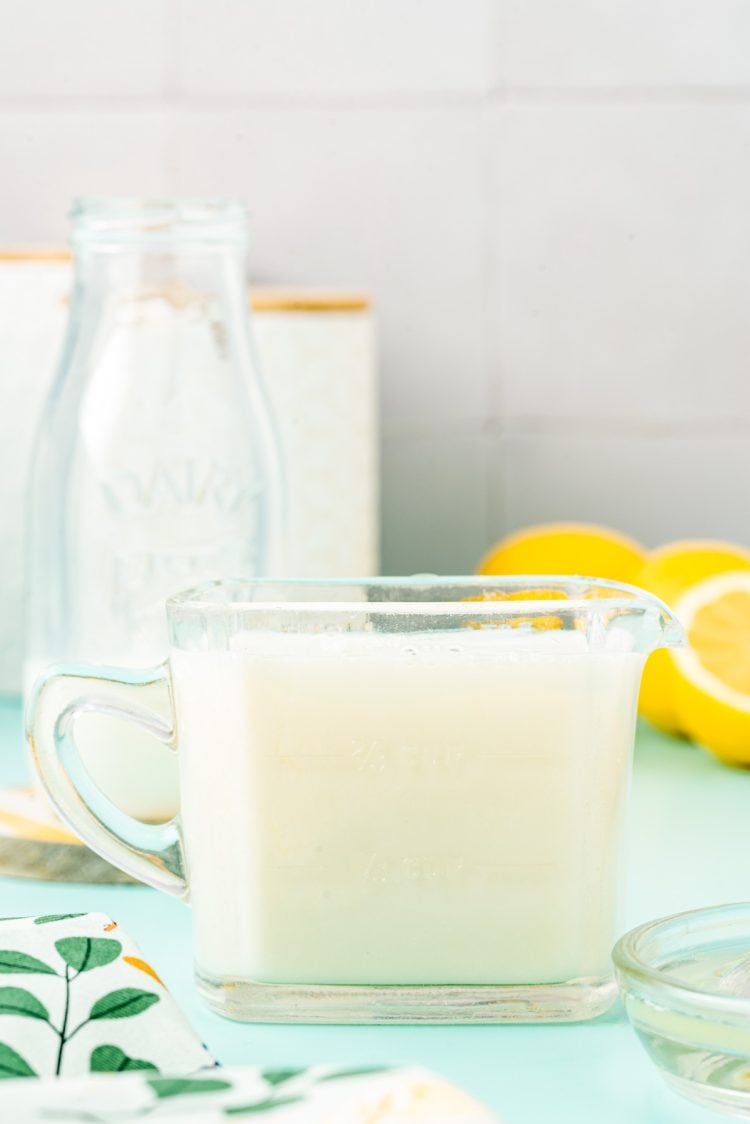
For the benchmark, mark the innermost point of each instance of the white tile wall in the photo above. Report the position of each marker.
(622, 251)
(390, 200)
(547, 200)
(342, 47)
(82, 48)
(48, 157)
(654, 486)
(435, 489)
(625, 43)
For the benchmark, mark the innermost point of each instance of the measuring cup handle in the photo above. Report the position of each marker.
(152, 853)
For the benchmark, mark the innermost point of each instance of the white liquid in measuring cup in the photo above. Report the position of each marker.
(405, 809)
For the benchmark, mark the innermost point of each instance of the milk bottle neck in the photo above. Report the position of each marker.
(160, 262)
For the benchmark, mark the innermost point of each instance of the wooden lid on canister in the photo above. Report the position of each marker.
(279, 299)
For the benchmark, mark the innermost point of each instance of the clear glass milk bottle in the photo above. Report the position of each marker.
(156, 462)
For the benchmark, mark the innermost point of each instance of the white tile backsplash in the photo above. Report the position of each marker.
(56, 156)
(614, 43)
(656, 486)
(78, 48)
(622, 258)
(341, 47)
(546, 200)
(391, 201)
(434, 501)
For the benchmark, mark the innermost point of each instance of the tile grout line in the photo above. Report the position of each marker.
(175, 99)
(172, 98)
(493, 431)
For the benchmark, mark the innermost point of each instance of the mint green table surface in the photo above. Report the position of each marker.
(690, 846)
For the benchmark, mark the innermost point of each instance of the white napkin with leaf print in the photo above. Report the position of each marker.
(76, 997)
(319, 1095)
(82, 1009)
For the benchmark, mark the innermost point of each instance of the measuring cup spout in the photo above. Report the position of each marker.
(666, 630)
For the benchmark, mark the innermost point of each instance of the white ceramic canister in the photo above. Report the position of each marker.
(317, 354)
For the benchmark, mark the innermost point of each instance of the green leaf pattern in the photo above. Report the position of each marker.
(279, 1076)
(307, 1079)
(12, 1064)
(79, 954)
(356, 1071)
(111, 1059)
(48, 918)
(12, 961)
(266, 1105)
(180, 1086)
(19, 1001)
(236, 1094)
(123, 1003)
(84, 953)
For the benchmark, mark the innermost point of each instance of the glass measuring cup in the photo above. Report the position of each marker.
(401, 799)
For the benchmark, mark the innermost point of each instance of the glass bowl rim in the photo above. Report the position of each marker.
(636, 972)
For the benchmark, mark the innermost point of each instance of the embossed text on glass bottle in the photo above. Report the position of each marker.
(156, 462)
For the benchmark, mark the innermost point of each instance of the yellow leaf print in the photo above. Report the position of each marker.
(142, 966)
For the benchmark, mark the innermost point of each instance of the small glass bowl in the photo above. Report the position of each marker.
(685, 983)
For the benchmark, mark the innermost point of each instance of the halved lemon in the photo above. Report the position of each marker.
(565, 548)
(712, 675)
(669, 572)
